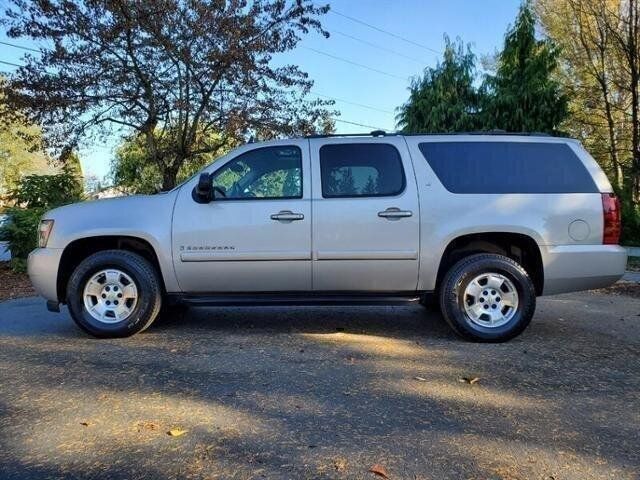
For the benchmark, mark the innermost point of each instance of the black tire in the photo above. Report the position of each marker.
(143, 274)
(462, 274)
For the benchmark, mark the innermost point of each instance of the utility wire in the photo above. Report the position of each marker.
(21, 47)
(359, 124)
(320, 95)
(376, 46)
(386, 32)
(335, 57)
(12, 64)
(370, 107)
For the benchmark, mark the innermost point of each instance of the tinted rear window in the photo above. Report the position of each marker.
(508, 167)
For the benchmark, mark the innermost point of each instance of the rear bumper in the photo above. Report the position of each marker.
(42, 266)
(569, 268)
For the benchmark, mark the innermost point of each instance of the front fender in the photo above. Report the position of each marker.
(148, 218)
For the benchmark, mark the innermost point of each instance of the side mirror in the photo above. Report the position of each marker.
(203, 192)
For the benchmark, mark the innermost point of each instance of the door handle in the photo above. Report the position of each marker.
(287, 216)
(393, 212)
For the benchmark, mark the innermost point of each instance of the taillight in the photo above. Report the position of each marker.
(612, 219)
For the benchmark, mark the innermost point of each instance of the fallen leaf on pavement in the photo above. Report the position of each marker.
(146, 425)
(176, 432)
(340, 464)
(379, 470)
(469, 380)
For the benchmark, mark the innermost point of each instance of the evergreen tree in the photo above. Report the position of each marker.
(371, 187)
(523, 95)
(444, 99)
(347, 184)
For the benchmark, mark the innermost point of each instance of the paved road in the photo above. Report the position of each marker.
(632, 277)
(312, 393)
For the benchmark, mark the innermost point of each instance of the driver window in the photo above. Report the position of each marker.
(263, 173)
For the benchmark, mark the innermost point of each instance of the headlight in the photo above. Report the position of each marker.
(44, 230)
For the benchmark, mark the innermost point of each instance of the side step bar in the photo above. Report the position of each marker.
(294, 298)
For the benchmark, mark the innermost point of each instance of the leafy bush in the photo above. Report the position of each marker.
(47, 191)
(630, 224)
(35, 195)
(21, 230)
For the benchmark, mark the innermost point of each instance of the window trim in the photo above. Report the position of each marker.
(244, 199)
(402, 189)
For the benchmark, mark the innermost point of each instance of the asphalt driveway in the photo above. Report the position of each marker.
(320, 393)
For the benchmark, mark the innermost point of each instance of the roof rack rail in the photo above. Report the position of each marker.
(382, 133)
(483, 132)
(374, 133)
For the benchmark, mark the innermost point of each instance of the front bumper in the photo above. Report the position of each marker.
(42, 266)
(569, 268)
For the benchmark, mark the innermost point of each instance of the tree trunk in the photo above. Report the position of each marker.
(169, 175)
(634, 80)
(615, 162)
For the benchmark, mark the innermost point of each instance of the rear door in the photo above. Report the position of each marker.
(365, 215)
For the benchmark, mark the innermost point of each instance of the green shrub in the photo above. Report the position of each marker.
(630, 224)
(35, 195)
(47, 191)
(18, 265)
(21, 231)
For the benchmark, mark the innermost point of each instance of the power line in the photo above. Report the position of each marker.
(335, 57)
(314, 93)
(386, 32)
(379, 47)
(318, 94)
(12, 64)
(21, 47)
(370, 107)
(308, 48)
(358, 124)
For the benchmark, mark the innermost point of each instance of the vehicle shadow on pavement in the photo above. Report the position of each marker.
(400, 321)
(318, 393)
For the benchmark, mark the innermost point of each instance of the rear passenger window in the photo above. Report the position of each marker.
(361, 170)
(508, 167)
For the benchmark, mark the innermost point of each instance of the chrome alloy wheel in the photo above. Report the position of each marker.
(110, 296)
(490, 300)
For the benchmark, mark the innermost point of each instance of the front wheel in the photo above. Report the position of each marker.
(114, 293)
(487, 298)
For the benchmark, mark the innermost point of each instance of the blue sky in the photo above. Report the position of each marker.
(424, 22)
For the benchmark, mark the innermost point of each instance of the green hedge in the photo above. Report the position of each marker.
(35, 195)
(630, 225)
(21, 233)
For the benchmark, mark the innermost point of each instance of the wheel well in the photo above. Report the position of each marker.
(521, 248)
(80, 249)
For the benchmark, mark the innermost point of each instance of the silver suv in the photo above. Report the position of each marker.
(482, 223)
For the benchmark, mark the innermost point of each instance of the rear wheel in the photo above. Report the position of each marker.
(114, 293)
(487, 298)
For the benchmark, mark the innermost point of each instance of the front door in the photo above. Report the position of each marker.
(255, 236)
(365, 215)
